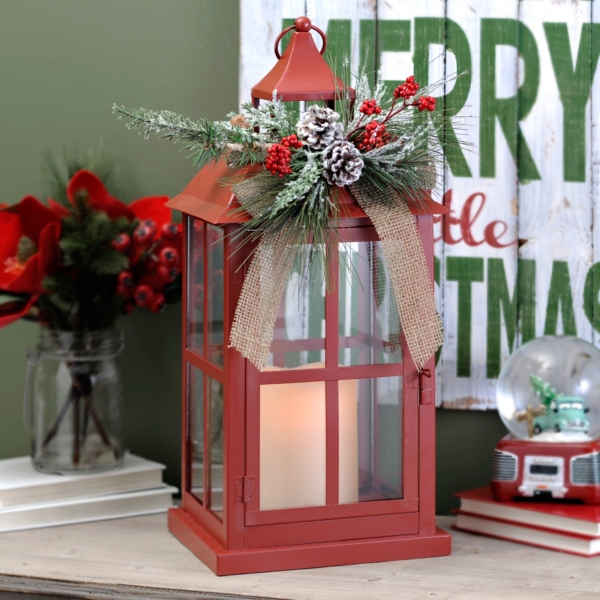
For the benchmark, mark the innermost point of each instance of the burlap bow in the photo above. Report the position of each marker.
(273, 262)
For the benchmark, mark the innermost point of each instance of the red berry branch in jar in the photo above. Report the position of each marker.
(154, 262)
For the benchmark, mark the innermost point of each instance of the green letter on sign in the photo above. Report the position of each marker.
(393, 36)
(591, 303)
(433, 30)
(574, 86)
(508, 111)
(464, 270)
(560, 295)
(520, 309)
(339, 41)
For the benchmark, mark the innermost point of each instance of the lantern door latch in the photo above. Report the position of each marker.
(422, 382)
(244, 489)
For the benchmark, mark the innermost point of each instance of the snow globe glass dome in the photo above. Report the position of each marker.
(549, 390)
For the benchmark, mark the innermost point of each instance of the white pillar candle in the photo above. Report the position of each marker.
(292, 443)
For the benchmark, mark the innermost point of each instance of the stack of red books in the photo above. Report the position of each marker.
(567, 527)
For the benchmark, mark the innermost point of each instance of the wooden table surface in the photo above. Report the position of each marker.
(138, 558)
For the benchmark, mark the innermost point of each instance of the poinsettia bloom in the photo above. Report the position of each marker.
(151, 208)
(29, 234)
(98, 196)
(58, 209)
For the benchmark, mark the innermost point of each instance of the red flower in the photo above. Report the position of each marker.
(58, 209)
(98, 196)
(152, 209)
(29, 234)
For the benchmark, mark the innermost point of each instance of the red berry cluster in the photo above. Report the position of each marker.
(369, 107)
(291, 141)
(408, 89)
(154, 263)
(426, 103)
(279, 155)
(375, 136)
(278, 160)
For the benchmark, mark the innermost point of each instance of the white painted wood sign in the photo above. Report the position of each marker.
(518, 256)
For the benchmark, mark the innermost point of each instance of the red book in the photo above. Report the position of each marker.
(568, 527)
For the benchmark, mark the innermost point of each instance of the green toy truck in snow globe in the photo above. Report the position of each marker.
(561, 413)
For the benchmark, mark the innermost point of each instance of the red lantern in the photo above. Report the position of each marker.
(327, 455)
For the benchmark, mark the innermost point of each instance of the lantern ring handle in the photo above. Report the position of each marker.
(287, 29)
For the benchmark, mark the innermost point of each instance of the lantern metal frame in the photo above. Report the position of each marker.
(243, 538)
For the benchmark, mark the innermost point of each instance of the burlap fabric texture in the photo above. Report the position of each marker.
(273, 262)
(396, 228)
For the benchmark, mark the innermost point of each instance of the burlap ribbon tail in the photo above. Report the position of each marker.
(273, 262)
(403, 250)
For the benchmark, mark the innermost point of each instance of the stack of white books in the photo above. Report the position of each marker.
(29, 499)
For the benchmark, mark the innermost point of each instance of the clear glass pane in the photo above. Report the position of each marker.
(215, 446)
(299, 336)
(215, 306)
(196, 285)
(196, 402)
(292, 445)
(369, 324)
(370, 439)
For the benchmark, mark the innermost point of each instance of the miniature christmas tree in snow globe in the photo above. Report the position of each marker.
(549, 390)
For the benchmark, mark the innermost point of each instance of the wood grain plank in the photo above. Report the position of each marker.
(592, 286)
(555, 211)
(481, 193)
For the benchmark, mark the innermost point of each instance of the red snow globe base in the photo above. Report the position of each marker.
(548, 396)
(540, 470)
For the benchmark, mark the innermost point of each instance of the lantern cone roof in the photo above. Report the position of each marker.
(301, 73)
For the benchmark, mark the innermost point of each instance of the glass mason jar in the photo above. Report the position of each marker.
(74, 402)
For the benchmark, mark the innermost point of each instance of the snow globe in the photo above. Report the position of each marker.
(548, 397)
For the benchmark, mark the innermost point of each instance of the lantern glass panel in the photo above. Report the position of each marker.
(195, 285)
(292, 445)
(214, 495)
(380, 439)
(299, 335)
(369, 325)
(196, 404)
(215, 296)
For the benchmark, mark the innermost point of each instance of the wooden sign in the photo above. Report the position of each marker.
(519, 254)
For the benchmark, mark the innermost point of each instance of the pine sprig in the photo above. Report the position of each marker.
(56, 175)
(82, 297)
(201, 137)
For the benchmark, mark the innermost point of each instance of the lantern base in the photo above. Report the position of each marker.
(306, 556)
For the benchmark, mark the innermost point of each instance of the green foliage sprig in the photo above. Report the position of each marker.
(82, 295)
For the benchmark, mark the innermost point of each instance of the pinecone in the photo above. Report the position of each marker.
(342, 163)
(318, 127)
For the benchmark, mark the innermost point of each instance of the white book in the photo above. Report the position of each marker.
(21, 484)
(516, 532)
(81, 510)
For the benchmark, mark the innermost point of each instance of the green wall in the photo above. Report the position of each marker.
(62, 65)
